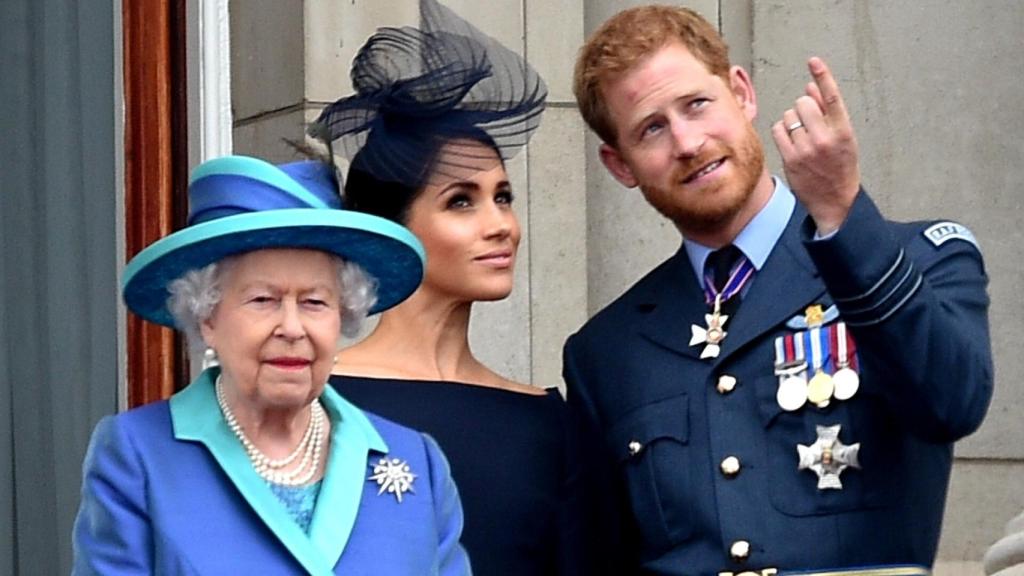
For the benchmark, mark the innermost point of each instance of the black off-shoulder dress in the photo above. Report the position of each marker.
(514, 459)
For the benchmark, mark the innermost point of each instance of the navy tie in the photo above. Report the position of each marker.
(721, 262)
(719, 265)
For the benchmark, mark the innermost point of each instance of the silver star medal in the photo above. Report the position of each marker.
(393, 476)
(828, 457)
(711, 336)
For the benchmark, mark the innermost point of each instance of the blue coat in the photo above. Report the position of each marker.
(913, 297)
(168, 489)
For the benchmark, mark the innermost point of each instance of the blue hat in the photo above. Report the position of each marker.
(239, 204)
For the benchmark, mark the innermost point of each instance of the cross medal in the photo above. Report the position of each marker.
(713, 334)
(828, 457)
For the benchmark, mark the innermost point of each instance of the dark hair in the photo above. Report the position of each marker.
(391, 197)
(388, 199)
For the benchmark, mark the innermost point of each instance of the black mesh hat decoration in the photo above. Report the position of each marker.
(419, 88)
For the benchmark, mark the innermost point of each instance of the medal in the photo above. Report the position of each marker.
(846, 383)
(792, 393)
(828, 457)
(845, 378)
(819, 388)
(791, 368)
(713, 335)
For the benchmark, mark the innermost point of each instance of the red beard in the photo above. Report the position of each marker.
(706, 209)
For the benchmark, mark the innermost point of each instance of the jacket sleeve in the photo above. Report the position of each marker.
(918, 312)
(112, 532)
(612, 543)
(452, 557)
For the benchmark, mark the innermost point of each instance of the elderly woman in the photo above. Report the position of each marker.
(256, 467)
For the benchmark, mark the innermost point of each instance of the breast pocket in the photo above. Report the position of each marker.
(651, 447)
(862, 421)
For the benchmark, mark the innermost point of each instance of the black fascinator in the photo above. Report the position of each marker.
(419, 88)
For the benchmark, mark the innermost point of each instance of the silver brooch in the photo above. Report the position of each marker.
(393, 476)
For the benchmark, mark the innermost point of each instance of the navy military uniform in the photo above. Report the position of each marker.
(705, 458)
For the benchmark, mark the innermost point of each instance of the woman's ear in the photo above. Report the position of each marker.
(208, 333)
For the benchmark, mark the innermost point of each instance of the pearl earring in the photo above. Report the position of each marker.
(210, 358)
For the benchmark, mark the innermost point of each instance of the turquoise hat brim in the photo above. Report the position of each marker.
(387, 251)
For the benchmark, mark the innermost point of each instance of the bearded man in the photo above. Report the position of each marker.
(781, 395)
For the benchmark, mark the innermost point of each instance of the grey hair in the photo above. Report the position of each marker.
(195, 295)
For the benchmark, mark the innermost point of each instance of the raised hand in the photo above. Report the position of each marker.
(819, 150)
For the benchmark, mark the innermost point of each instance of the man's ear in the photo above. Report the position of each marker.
(615, 164)
(743, 90)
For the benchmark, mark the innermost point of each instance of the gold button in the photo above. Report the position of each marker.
(635, 448)
(740, 550)
(726, 384)
(730, 466)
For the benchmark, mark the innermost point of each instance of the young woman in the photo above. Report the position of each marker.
(427, 149)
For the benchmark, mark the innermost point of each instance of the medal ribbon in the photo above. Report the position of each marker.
(839, 345)
(844, 347)
(741, 273)
(789, 353)
(794, 350)
(819, 348)
(780, 352)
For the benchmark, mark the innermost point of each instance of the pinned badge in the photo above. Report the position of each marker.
(820, 315)
(814, 316)
(393, 476)
(828, 457)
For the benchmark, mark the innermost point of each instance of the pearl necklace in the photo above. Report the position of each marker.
(309, 447)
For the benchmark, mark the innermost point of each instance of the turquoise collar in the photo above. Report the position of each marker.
(197, 418)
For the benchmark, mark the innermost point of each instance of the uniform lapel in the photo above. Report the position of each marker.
(784, 286)
(671, 305)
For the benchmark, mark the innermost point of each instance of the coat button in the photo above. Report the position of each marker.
(726, 384)
(730, 466)
(635, 448)
(740, 550)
